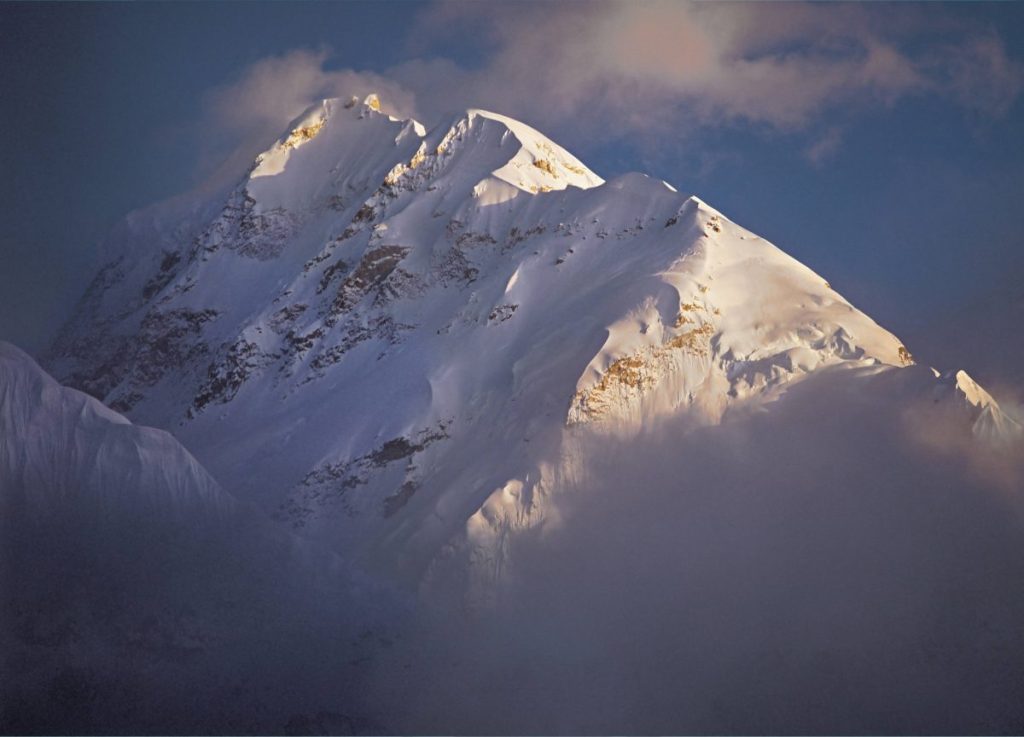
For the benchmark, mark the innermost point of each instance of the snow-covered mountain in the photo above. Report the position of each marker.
(394, 340)
(129, 575)
(62, 452)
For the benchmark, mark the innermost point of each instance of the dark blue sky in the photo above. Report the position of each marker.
(879, 144)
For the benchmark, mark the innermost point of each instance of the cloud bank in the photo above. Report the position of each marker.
(666, 63)
(838, 564)
(655, 66)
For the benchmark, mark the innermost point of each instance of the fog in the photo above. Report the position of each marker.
(842, 563)
(839, 562)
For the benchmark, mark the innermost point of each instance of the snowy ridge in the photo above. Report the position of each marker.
(391, 338)
(61, 450)
(126, 568)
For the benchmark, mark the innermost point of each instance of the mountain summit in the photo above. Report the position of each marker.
(393, 340)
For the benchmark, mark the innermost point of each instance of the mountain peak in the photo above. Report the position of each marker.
(372, 102)
(538, 165)
(335, 148)
(424, 316)
(339, 147)
(369, 103)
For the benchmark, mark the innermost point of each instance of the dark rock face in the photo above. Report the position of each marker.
(165, 341)
(164, 276)
(331, 485)
(226, 377)
(249, 232)
(371, 274)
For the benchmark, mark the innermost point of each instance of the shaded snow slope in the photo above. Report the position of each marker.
(138, 596)
(62, 450)
(391, 339)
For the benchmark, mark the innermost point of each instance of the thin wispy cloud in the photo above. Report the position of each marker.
(243, 116)
(823, 148)
(281, 87)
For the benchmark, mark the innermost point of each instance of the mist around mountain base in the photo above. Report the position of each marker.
(455, 437)
(830, 563)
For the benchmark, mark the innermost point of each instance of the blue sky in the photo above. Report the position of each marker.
(880, 144)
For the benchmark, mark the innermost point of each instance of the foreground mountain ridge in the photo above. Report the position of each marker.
(126, 568)
(391, 338)
(59, 446)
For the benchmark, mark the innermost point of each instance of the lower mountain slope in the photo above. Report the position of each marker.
(140, 597)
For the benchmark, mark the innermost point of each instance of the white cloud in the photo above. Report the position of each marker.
(668, 66)
(825, 147)
(277, 89)
(660, 68)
